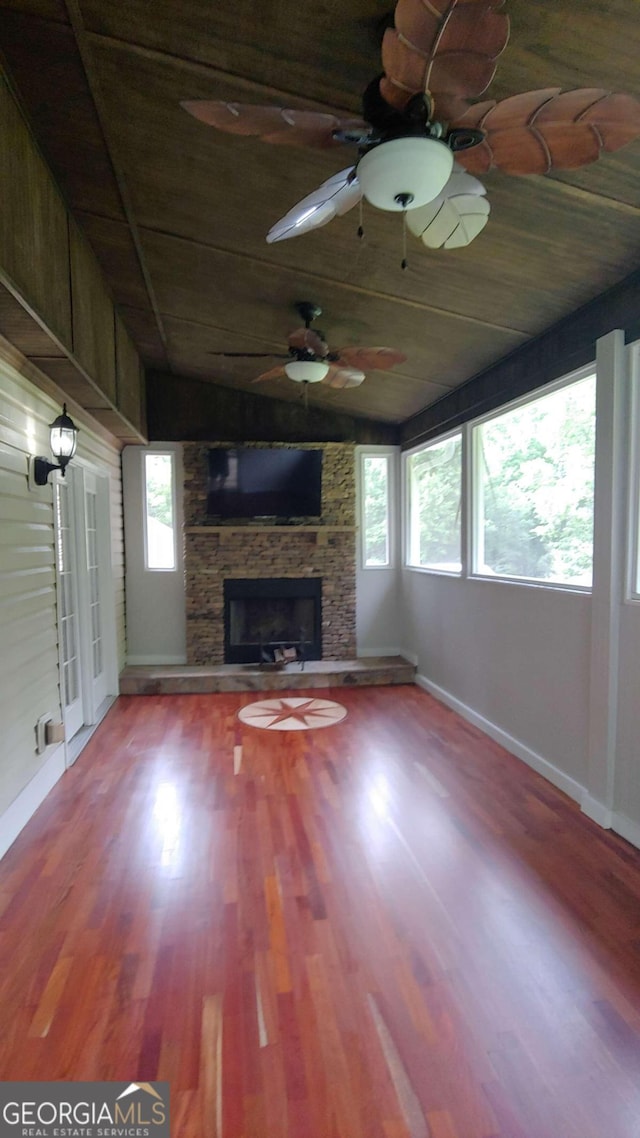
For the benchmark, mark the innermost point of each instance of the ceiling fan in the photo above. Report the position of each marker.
(309, 359)
(417, 115)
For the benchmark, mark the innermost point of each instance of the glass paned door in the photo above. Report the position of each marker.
(82, 562)
(95, 618)
(67, 569)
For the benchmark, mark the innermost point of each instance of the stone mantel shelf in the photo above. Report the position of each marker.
(270, 529)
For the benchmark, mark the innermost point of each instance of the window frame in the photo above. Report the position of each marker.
(475, 483)
(632, 574)
(406, 504)
(162, 453)
(390, 454)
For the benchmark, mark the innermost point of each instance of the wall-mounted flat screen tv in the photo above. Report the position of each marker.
(261, 482)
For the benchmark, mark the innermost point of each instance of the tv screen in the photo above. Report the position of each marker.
(260, 482)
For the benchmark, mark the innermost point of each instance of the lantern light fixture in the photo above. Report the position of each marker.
(63, 440)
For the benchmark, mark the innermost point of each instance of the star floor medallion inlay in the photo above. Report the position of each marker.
(292, 713)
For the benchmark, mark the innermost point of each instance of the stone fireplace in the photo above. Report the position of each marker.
(311, 559)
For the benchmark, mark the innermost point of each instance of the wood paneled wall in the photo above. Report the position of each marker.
(29, 681)
(93, 317)
(183, 409)
(66, 318)
(34, 239)
(129, 378)
(567, 346)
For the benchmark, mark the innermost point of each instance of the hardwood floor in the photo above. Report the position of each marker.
(389, 928)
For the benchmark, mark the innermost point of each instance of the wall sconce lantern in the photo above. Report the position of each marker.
(63, 439)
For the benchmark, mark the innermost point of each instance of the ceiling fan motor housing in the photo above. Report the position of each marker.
(308, 310)
(405, 173)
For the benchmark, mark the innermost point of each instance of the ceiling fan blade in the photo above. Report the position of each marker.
(540, 131)
(449, 47)
(250, 355)
(514, 111)
(446, 108)
(273, 373)
(455, 217)
(458, 73)
(310, 128)
(370, 359)
(235, 118)
(332, 199)
(341, 377)
(275, 124)
(444, 26)
(308, 338)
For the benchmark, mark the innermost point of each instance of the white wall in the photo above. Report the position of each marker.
(627, 744)
(29, 666)
(156, 615)
(378, 614)
(552, 674)
(513, 656)
(627, 782)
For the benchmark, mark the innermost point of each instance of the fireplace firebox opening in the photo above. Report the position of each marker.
(262, 614)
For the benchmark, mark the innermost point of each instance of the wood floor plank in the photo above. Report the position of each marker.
(389, 928)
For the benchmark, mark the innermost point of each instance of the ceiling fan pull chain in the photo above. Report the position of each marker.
(404, 239)
(360, 225)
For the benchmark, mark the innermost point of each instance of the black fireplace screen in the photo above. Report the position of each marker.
(268, 612)
(270, 620)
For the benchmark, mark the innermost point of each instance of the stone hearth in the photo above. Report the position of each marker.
(181, 679)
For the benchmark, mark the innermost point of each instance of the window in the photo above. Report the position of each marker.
(375, 490)
(534, 475)
(160, 545)
(434, 485)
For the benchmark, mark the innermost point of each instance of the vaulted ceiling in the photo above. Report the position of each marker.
(177, 212)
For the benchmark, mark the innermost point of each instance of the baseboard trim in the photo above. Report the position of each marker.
(33, 795)
(136, 661)
(537, 762)
(599, 813)
(79, 741)
(365, 653)
(30, 798)
(626, 828)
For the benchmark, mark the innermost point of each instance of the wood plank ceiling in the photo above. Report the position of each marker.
(178, 212)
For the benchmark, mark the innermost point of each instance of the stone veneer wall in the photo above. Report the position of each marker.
(247, 548)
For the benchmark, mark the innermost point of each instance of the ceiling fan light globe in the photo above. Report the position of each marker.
(405, 173)
(306, 371)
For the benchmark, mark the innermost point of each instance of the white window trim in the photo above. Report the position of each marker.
(474, 486)
(539, 393)
(163, 453)
(406, 505)
(632, 572)
(391, 454)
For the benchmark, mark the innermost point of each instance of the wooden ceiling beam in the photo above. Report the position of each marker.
(208, 71)
(591, 197)
(84, 50)
(348, 286)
